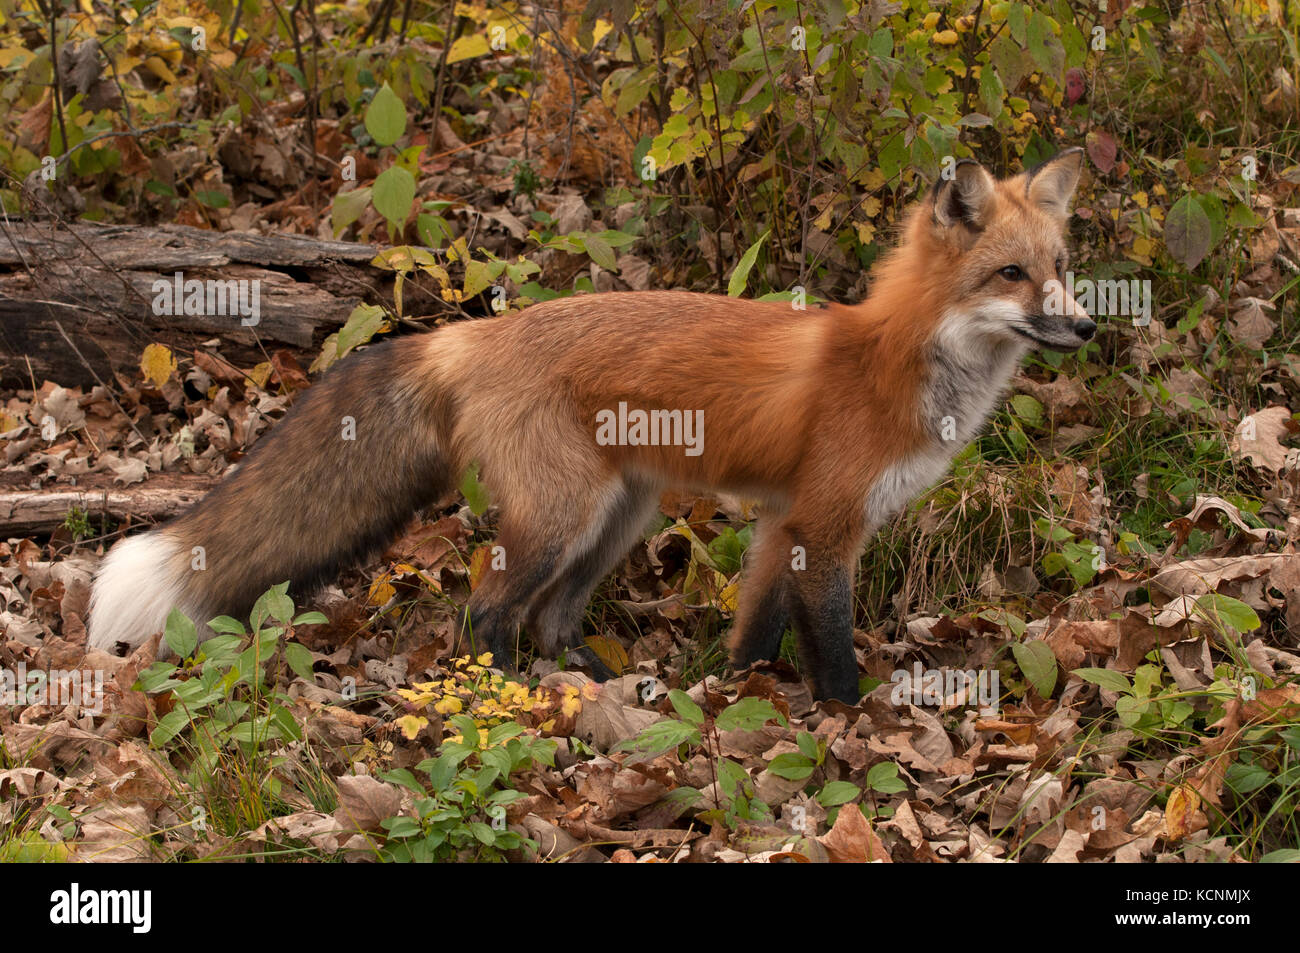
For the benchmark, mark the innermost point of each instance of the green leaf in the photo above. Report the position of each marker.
(401, 826)
(1038, 662)
(1225, 610)
(683, 705)
(363, 324)
(748, 714)
(662, 736)
(884, 778)
(504, 732)
(808, 745)
(1110, 680)
(601, 253)
(793, 767)
(478, 276)
(1130, 709)
(273, 604)
(1028, 409)
(838, 792)
(740, 277)
(169, 726)
(1245, 778)
(1188, 232)
(385, 117)
(405, 778)
(224, 623)
(347, 208)
(181, 634)
(394, 194)
(468, 730)
(1286, 855)
(299, 659)
(475, 493)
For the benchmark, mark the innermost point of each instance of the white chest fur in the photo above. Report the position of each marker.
(969, 372)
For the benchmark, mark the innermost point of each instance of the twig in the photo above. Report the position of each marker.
(107, 390)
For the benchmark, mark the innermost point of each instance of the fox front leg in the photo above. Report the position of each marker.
(822, 604)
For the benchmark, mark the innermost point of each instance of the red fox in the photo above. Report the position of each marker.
(580, 411)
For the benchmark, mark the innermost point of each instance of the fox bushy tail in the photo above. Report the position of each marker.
(331, 483)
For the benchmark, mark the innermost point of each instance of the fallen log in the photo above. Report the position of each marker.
(26, 512)
(80, 302)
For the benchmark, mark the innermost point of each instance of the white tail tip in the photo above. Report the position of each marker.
(135, 589)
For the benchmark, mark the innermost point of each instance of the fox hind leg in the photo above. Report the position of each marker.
(555, 618)
(764, 598)
(539, 544)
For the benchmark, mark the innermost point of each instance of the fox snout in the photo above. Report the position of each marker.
(1062, 322)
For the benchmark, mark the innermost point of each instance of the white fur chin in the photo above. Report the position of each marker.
(134, 591)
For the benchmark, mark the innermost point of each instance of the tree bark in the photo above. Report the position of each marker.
(78, 303)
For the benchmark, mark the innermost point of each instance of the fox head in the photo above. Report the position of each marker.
(1002, 245)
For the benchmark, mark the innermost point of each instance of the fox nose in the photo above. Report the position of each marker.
(1085, 328)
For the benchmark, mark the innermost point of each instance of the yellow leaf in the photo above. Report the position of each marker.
(946, 38)
(157, 364)
(411, 725)
(1141, 249)
(608, 651)
(260, 374)
(381, 590)
(872, 179)
(15, 56)
(478, 564)
(1180, 812)
(726, 600)
(468, 47)
(158, 67)
(451, 705)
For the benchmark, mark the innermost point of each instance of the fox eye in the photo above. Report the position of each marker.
(1012, 273)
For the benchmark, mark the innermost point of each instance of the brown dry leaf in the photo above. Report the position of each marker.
(1204, 516)
(1195, 577)
(365, 801)
(603, 721)
(1251, 327)
(133, 777)
(322, 831)
(1258, 438)
(614, 790)
(1068, 850)
(114, 834)
(852, 841)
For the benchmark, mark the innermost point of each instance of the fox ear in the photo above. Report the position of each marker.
(964, 199)
(1051, 185)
